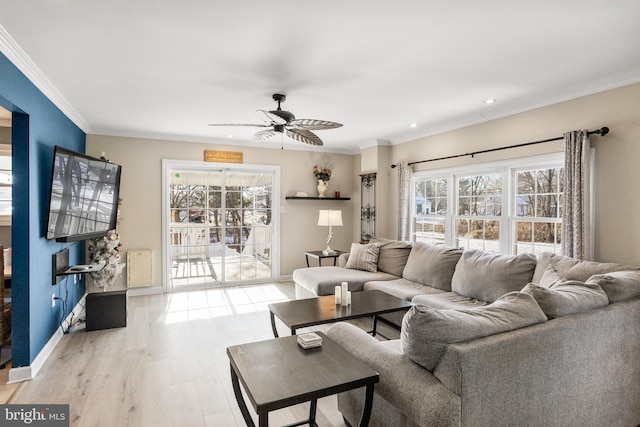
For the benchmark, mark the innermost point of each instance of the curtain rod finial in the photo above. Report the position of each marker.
(604, 131)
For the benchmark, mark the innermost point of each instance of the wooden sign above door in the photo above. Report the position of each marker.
(223, 156)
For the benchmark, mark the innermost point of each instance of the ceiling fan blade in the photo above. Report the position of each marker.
(239, 124)
(312, 124)
(263, 135)
(273, 118)
(305, 136)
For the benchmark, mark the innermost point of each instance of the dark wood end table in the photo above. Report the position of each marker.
(303, 313)
(319, 255)
(278, 373)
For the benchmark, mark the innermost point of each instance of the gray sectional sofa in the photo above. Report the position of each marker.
(492, 339)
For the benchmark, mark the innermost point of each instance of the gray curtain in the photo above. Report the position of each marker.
(576, 221)
(404, 200)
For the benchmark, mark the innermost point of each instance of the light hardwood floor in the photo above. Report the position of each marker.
(169, 366)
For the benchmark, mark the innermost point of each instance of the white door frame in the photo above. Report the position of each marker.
(186, 165)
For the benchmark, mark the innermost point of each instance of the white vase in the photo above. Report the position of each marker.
(322, 187)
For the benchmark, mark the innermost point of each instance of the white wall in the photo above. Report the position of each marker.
(617, 170)
(141, 217)
(617, 231)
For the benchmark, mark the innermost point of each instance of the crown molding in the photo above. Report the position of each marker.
(289, 145)
(21, 60)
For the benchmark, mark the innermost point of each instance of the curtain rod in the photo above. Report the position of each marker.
(602, 132)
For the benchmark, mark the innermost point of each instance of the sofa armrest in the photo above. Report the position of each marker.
(406, 385)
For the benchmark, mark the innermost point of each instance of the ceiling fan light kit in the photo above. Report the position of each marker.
(284, 122)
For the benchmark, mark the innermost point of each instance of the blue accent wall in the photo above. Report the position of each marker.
(38, 125)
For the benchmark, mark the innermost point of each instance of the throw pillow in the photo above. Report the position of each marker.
(574, 269)
(393, 255)
(618, 285)
(431, 265)
(551, 277)
(363, 257)
(485, 276)
(427, 331)
(564, 298)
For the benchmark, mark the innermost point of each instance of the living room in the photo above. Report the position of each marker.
(614, 103)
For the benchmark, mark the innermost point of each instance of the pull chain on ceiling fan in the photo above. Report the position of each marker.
(284, 122)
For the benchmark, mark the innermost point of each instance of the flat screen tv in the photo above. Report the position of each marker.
(83, 202)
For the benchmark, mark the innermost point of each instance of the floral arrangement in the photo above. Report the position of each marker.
(106, 250)
(322, 174)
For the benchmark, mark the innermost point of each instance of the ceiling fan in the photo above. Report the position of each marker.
(282, 121)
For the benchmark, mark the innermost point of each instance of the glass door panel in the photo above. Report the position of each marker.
(220, 227)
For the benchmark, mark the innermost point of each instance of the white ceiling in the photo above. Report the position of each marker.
(165, 68)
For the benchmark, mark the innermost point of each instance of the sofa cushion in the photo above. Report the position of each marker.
(447, 300)
(323, 280)
(431, 265)
(564, 298)
(551, 277)
(363, 257)
(618, 285)
(427, 331)
(486, 276)
(574, 269)
(400, 288)
(393, 255)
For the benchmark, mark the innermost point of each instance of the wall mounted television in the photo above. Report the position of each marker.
(83, 201)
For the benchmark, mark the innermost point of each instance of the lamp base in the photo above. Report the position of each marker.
(329, 252)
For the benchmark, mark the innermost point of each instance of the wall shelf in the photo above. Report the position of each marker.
(82, 269)
(316, 198)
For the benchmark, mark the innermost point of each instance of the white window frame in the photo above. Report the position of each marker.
(5, 166)
(507, 168)
(414, 179)
(515, 218)
(499, 218)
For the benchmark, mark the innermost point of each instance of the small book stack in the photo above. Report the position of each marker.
(309, 340)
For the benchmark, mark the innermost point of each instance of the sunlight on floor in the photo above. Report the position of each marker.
(209, 270)
(212, 303)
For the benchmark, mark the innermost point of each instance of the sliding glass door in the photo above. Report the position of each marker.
(219, 224)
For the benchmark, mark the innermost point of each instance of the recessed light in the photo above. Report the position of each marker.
(489, 101)
(413, 125)
(229, 136)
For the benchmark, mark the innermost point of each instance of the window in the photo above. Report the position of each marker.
(537, 212)
(430, 208)
(507, 207)
(5, 185)
(479, 209)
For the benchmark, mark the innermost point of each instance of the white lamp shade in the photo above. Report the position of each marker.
(330, 217)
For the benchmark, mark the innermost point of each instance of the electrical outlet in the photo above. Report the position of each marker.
(53, 300)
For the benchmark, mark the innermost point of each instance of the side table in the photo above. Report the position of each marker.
(320, 256)
(106, 310)
(278, 373)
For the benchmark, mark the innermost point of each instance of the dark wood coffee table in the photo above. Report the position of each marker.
(303, 313)
(278, 373)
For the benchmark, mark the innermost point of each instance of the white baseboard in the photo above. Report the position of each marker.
(26, 373)
(141, 291)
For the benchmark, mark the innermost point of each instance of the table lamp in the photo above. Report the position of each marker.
(329, 218)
